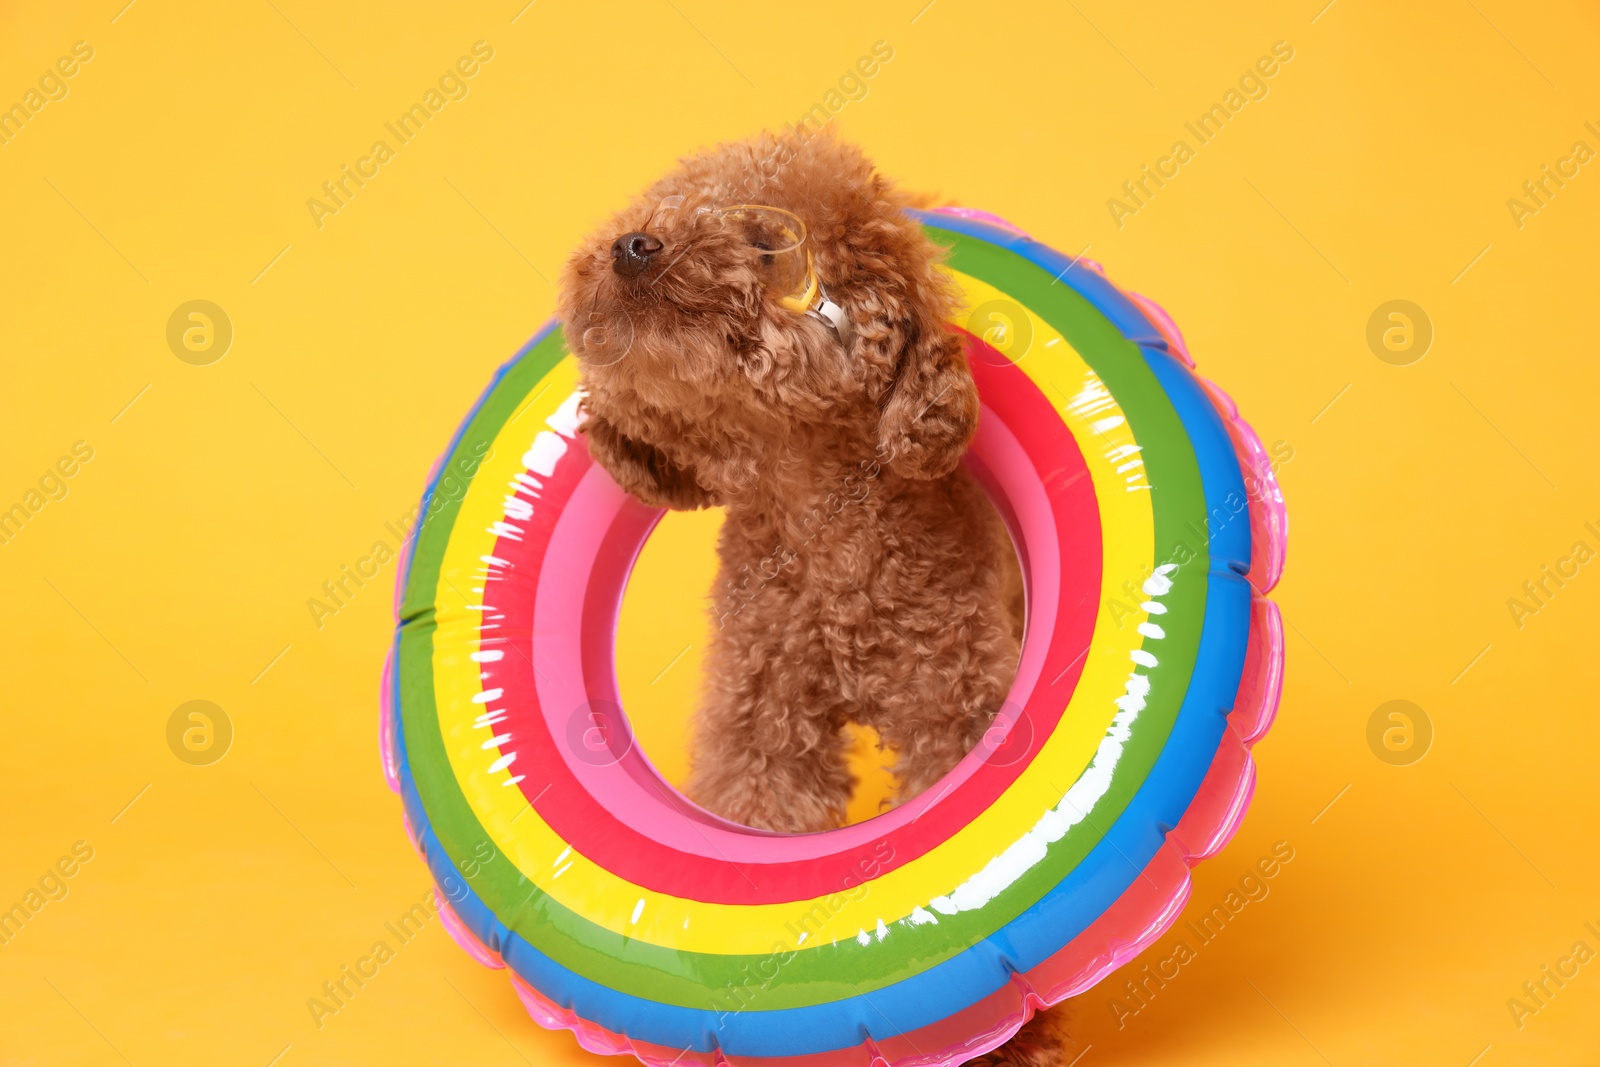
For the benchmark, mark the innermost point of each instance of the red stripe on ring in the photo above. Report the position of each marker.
(567, 806)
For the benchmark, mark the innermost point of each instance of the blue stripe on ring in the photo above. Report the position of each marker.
(1081, 897)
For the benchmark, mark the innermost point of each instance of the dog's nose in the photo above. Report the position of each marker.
(631, 253)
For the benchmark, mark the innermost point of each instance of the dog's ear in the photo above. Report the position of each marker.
(641, 469)
(929, 412)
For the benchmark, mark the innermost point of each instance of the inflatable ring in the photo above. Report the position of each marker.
(1149, 525)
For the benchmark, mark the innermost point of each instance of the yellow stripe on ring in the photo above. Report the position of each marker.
(1102, 433)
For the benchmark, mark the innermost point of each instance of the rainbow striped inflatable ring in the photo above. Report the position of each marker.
(1150, 527)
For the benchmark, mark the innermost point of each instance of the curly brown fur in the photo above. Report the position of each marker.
(864, 577)
(1042, 1042)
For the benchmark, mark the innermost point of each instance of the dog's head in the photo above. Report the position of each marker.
(703, 316)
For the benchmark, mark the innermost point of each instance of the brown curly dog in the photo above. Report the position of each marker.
(864, 576)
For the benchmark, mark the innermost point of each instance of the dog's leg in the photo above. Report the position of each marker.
(768, 747)
(1043, 1041)
(925, 752)
(748, 766)
(930, 720)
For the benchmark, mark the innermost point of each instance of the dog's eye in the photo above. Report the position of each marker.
(778, 237)
(768, 250)
(782, 267)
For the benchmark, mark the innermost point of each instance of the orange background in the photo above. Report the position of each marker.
(220, 497)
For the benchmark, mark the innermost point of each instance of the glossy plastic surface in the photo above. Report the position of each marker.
(1150, 526)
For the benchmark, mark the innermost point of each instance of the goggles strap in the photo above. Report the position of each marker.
(831, 314)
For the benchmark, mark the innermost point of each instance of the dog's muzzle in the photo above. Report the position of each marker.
(631, 253)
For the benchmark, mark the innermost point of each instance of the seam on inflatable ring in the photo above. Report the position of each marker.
(1269, 519)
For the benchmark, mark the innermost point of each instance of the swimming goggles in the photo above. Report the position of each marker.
(786, 262)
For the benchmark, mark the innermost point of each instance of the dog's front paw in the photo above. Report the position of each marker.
(797, 815)
(753, 801)
(1042, 1042)
(1021, 1054)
